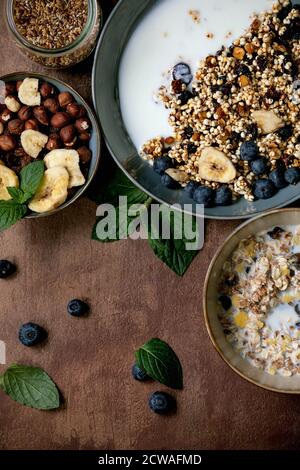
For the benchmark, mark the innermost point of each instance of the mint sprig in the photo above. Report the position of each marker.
(172, 252)
(161, 363)
(15, 209)
(30, 386)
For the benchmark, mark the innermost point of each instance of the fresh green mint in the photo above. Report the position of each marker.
(161, 363)
(30, 386)
(172, 252)
(15, 209)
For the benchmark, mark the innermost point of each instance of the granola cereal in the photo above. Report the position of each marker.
(259, 303)
(244, 104)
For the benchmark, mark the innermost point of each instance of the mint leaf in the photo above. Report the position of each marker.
(120, 185)
(160, 362)
(173, 252)
(30, 386)
(10, 212)
(18, 195)
(31, 177)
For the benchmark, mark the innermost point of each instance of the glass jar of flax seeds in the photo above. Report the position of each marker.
(55, 33)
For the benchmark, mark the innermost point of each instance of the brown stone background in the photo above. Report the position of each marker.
(133, 297)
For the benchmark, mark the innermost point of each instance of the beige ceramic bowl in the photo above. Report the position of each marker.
(266, 221)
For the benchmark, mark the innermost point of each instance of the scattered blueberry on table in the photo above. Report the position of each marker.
(7, 268)
(31, 334)
(162, 403)
(138, 374)
(78, 308)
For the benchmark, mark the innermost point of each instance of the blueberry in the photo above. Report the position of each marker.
(292, 175)
(225, 89)
(277, 177)
(6, 268)
(139, 374)
(264, 189)
(275, 234)
(185, 96)
(262, 62)
(162, 403)
(249, 151)
(161, 164)
(286, 132)
(77, 308)
(284, 12)
(225, 302)
(169, 182)
(31, 334)
(259, 167)
(191, 187)
(223, 196)
(182, 72)
(204, 195)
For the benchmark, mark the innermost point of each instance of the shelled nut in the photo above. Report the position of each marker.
(12, 104)
(65, 98)
(7, 143)
(25, 113)
(15, 126)
(60, 120)
(52, 105)
(40, 113)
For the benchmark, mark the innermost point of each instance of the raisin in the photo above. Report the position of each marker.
(225, 89)
(276, 233)
(177, 86)
(185, 96)
(253, 130)
(191, 148)
(273, 94)
(262, 63)
(188, 132)
(242, 69)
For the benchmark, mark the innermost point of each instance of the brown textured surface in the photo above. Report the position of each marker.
(133, 297)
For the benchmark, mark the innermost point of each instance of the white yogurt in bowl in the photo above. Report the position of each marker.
(174, 31)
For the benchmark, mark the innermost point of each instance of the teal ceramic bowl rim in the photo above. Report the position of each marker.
(115, 134)
(95, 126)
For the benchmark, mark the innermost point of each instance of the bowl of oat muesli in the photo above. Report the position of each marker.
(225, 132)
(252, 301)
(49, 143)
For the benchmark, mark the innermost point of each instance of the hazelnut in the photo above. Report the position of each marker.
(20, 152)
(82, 125)
(1, 128)
(71, 144)
(60, 120)
(6, 115)
(65, 98)
(15, 126)
(12, 104)
(32, 124)
(76, 110)
(84, 136)
(25, 113)
(10, 88)
(7, 143)
(40, 113)
(52, 105)
(54, 142)
(47, 90)
(18, 84)
(85, 154)
(67, 134)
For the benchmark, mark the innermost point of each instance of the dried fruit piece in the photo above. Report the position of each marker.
(8, 178)
(68, 159)
(33, 142)
(238, 53)
(267, 121)
(53, 191)
(215, 166)
(29, 92)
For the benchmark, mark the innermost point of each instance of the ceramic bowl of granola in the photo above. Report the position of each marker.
(224, 132)
(44, 120)
(252, 301)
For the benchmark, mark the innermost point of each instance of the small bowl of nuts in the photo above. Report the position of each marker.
(44, 120)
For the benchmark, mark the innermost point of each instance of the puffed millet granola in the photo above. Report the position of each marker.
(259, 303)
(257, 73)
